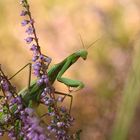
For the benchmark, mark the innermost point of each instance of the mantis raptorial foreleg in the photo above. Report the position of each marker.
(69, 82)
(57, 71)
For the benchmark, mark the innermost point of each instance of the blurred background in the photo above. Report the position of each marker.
(59, 24)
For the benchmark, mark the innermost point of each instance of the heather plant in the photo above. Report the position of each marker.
(18, 116)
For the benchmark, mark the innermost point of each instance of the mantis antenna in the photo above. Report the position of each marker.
(94, 42)
(90, 44)
(82, 41)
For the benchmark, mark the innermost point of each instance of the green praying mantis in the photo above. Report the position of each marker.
(33, 91)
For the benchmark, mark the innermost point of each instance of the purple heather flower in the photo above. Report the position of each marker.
(36, 137)
(29, 40)
(5, 85)
(61, 132)
(48, 60)
(46, 89)
(60, 99)
(49, 127)
(33, 47)
(41, 57)
(34, 121)
(36, 67)
(52, 114)
(31, 135)
(40, 81)
(44, 76)
(32, 21)
(53, 130)
(43, 94)
(34, 58)
(11, 134)
(13, 101)
(9, 95)
(31, 128)
(63, 109)
(44, 99)
(22, 112)
(1, 133)
(60, 124)
(24, 22)
(29, 111)
(20, 107)
(48, 101)
(19, 100)
(22, 1)
(46, 80)
(29, 30)
(36, 52)
(38, 128)
(23, 13)
(37, 64)
(36, 73)
(42, 137)
(6, 118)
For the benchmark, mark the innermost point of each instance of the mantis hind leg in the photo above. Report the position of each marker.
(29, 78)
(66, 95)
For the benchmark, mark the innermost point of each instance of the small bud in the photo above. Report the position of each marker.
(22, 1)
(41, 57)
(25, 22)
(46, 80)
(32, 21)
(29, 30)
(34, 58)
(48, 60)
(49, 127)
(29, 111)
(33, 47)
(40, 82)
(29, 40)
(60, 124)
(60, 99)
(23, 13)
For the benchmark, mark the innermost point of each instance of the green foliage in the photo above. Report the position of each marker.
(131, 96)
(78, 134)
(14, 108)
(2, 116)
(17, 126)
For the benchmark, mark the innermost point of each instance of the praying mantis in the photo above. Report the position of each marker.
(33, 91)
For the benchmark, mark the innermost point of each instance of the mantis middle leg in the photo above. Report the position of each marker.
(29, 78)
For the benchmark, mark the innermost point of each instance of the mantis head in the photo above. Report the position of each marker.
(83, 53)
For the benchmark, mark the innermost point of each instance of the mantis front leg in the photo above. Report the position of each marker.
(69, 82)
